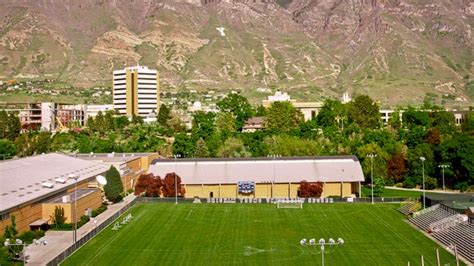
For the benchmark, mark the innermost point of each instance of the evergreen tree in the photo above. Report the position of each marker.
(13, 127)
(99, 123)
(163, 115)
(109, 121)
(114, 187)
(3, 123)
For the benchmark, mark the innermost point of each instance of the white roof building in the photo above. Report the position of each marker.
(40, 177)
(261, 170)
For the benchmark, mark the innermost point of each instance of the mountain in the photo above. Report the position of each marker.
(397, 51)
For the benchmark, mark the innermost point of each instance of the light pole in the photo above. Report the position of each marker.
(19, 242)
(372, 156)
(443, 166)
(423, 165)
(176, 156)
(75, 177)
(322, 243)
(274, 156)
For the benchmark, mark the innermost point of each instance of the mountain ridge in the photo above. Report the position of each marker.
(396, 51)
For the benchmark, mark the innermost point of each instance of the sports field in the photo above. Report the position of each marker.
(259, 234)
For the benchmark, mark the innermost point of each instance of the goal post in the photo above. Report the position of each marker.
(290, 204)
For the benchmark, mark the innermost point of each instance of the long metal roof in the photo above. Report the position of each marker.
(261, 170)
(22, 180)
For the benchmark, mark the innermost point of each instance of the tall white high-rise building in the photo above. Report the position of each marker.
(136, 91)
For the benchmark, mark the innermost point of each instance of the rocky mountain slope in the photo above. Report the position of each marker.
(397, 51)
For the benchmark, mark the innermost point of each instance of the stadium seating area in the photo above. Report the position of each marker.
(424, 220)
(459, 234)
(410, 208)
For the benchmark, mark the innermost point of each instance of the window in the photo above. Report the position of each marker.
(4, 216)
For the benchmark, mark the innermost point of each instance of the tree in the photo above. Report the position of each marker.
(137, 120)
(7, 149)
(99, 123)
(184, 145)
(171, 181)
(58, 219)
(10, 126)
(364, 112)
(121, 122)
(331, 111)
(225, 123)
(163, 115)
(396, 167)
(201, 149)
(109, 121)
(3, 123)
(237, 105)
(114, 187)
(232, 147)
(10, 230)
(413, 117)
(291, 146)
(283, 116)
(310, 190)
(379, 185)
(148, 184)
(443, 121)
(395, 120)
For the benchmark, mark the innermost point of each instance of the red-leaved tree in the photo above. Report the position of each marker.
(148, 184)
(311, 190)
(396, 167)
(169, 185)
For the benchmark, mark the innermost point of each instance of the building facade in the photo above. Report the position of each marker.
(47, 116)
(269, 177)
(136, 91)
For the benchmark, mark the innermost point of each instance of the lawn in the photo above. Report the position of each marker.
(259, 234)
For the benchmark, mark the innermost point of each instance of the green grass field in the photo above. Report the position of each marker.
(260, 234)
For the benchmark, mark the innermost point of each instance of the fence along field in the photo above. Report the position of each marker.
(260, 234)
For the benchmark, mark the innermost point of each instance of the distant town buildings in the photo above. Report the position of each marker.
(47, 116)
(254, 124)
(346, 98)
(136, 91)
(309, 109)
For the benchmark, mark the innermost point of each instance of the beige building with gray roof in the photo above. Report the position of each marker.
(27, 183)
(271, 178)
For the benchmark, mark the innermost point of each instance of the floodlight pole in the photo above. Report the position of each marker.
(442, 166)
(372, 156)
(273, 156)
(175, 178)
(75, 177)
(19, 242)
(423, 171)
(322, 243)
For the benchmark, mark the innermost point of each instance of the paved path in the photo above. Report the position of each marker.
(427, 191)
(58, 241)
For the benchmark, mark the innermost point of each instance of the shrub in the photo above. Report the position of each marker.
(114, 186)
(99, 210)
(431, 183)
